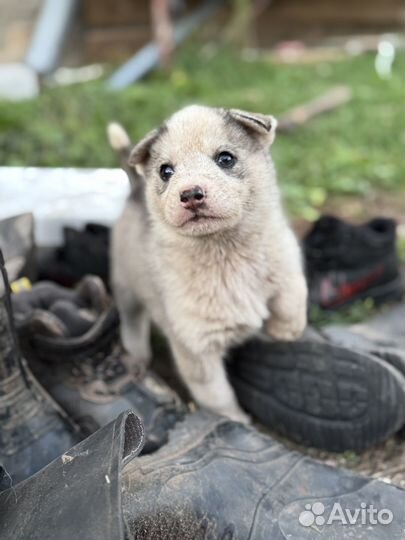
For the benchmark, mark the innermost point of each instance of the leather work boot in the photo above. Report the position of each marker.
(217, 479)
(214, 480)
(336, 389)
(71, 341)
(33, 429)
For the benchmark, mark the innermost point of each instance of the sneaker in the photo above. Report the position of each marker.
(322, 392)
(348, 262)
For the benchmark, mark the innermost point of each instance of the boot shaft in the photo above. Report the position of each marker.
(10, 361)
(33, 430)
(18, 400)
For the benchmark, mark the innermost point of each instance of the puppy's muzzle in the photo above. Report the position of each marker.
(192, 198)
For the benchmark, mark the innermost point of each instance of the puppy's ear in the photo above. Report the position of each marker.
(258, 125)
(141, 152)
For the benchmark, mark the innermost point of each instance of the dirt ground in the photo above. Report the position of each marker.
(385, 462)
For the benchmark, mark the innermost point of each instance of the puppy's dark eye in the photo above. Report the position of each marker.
(225, 160)
(166, 172)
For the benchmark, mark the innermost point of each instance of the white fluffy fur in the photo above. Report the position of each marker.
(210, 284)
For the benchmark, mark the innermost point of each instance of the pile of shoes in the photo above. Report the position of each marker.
(215, 479)
(344, 262)
(96, 446)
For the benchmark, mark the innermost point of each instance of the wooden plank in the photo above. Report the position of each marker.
(102, 13)
(300, 115)
(115, 12)
(310, 20)
(114, 44)
(15, 38)
(356, 11)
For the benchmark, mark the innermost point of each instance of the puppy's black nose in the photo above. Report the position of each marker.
(192, 198)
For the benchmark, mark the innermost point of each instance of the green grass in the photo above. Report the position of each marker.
(352, 314)
(401, 249)
(350, 151)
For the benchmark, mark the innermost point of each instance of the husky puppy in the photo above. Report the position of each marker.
(203, 248)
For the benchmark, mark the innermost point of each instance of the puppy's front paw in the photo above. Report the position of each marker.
(282, 330)
(289, 311)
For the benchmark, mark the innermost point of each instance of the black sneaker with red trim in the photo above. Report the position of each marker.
(348, 262)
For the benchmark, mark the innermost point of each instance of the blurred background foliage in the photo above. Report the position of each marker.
(351, 151)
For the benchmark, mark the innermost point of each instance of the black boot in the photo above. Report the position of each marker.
(220, 480)
(77, 496)
(71, 340)
(334, 390)
(214, 480)
(33, 429)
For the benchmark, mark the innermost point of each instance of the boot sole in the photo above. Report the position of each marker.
(320, 394)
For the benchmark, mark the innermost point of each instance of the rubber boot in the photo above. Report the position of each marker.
(33, 429)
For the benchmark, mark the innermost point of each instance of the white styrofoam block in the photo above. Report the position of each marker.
(62, 197)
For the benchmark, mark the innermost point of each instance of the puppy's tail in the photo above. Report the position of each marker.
(118, 138)
(120, 142)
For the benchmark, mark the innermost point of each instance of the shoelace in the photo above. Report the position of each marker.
(111, 367)
(101, 366)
